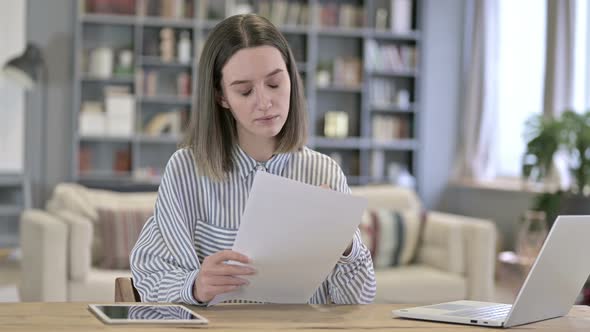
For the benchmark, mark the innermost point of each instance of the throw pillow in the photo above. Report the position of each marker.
(391, 236)
(119, 230)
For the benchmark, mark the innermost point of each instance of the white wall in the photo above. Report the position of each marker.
(12, 42)
(440, 95)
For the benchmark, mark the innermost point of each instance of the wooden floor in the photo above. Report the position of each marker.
(9, 276)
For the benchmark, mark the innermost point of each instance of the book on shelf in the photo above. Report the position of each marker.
(333, 14)
(390, 57)
(119, 7)
(347, 72)
(122, 161)
(304, 16)
(264, 8)
(385, 95)
(387, 128)
(149, 81)
(293, 13)
(328, 14)
(278, 12)
(348, 16)
(383, 92)
(283, 12)
(84, 159)
(183, 85)
(166, 8)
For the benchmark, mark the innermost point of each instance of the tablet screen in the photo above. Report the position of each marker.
(146, 313)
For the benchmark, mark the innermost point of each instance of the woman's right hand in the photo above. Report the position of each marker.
(216, 277)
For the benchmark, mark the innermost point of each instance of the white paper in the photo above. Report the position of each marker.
(294, 233)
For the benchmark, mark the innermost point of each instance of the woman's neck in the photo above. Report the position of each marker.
(259, 149)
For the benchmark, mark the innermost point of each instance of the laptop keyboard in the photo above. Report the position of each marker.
(493, 312)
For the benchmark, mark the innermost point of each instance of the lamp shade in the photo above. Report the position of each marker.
(24, 68)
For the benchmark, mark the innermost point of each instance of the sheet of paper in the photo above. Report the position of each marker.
(294, 233)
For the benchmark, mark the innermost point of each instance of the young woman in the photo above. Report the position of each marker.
(250, 116)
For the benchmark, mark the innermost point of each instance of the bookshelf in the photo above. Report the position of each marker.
(352, 62)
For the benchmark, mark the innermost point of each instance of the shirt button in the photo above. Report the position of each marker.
(261, 168)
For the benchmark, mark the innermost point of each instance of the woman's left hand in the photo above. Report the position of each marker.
(349, 248)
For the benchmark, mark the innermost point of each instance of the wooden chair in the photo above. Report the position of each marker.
(125, 291)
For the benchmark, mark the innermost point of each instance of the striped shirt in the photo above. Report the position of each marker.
(196, 217)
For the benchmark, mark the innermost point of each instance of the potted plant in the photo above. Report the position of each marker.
(569, 134)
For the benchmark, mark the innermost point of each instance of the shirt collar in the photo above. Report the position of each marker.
(245, 165)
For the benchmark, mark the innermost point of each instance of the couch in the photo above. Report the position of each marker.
(453, 260)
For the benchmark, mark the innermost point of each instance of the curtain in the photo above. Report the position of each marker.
(479, 100)
(558, 89)
(558, 94)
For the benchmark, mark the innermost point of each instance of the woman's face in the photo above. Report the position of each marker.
(256, 89)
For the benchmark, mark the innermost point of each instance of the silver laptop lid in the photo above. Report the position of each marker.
(558, 274)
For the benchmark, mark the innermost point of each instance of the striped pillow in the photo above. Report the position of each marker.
(391, 236)
(118, 231)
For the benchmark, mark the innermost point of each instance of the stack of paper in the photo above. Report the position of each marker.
(294, 233)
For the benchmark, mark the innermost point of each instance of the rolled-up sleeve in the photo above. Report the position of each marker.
(164, 263)
(353, 279)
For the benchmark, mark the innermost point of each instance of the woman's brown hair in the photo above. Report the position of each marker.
(212, 134)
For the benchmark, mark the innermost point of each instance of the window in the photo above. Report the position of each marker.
(521, 67)
(521, 74)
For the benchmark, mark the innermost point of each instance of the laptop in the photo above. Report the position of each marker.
(549, 290)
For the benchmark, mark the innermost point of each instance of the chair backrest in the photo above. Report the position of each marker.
(125, 291)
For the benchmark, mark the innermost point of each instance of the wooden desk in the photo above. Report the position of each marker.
(241, 317)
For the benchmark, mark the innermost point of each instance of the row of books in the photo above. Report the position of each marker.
(153, 83)
(333, 14)
(120, 7)
(284, 12)
(344, 71)
(388, 127)
(167, 8)
(391, 57)
(121, 164)
(384, 93)
(121, 160)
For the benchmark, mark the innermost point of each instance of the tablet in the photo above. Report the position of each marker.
(146, 314)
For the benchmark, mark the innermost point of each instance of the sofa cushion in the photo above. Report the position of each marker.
(391, 235)
(85, 202)
(118, 231)
(419, 284)
(389, 197)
